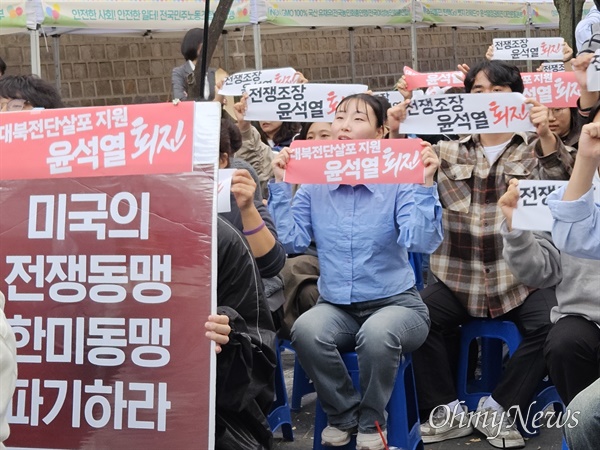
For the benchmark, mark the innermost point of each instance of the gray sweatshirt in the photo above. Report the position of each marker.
(536, 262)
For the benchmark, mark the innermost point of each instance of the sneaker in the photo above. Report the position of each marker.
(370, 441)
(443, 424)
(499, 428)
(334, 437)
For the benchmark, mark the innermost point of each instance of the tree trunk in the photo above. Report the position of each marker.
(567, 22)
(214, 32)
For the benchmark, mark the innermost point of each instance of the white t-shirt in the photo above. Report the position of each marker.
(493, 152)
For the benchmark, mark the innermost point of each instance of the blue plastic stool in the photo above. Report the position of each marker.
(403, 414)
(416, 262)
(492, 334)
(280, 415)
(565, 446)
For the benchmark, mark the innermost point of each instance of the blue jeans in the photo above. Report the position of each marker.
(379, 331)
(584, 435)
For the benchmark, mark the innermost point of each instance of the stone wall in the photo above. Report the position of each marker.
(99, 70)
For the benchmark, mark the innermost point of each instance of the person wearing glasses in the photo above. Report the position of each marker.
(23, 92)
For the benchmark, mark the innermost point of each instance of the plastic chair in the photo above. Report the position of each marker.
(302, 384)
(280, 415)
(492, 334)
(403, 414)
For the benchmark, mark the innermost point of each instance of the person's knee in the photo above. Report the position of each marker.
(559, 346)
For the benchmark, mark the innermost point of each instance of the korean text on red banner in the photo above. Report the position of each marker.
(415, 80)
(380, 161)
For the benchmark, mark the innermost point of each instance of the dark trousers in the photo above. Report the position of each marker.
(432, 363)
(572, 352)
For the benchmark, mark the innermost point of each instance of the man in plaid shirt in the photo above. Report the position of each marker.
(474, 280)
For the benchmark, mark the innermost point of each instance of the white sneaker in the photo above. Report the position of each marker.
(370, 441)
(443, 424)
(334, 437)
(497, 426)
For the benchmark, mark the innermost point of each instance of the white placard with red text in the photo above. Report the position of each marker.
(236, 84)
(467, 114)
(379, 161)
(553, 67)
(553, 89)
(512, 49)
(308, 102)
(394, 97)
(593, 73)
(532, 212)
(415, 80)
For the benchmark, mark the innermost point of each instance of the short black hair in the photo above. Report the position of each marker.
(597, 3)
(37, 92)
(191, 42)
(499, 73)
(2, 67)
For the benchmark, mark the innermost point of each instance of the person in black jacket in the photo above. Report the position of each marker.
(245, 342)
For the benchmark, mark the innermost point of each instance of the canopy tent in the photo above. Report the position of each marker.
(55, 17)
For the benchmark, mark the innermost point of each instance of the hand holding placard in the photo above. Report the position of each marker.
(431, 162)
(509, 201)
(280, 163)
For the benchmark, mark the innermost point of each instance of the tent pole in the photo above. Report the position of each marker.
(528, 33)
(455, 46)
(413, 36)
(225, 51)
(34, 41)
(57, 73)
(257, 47)
(352, 58)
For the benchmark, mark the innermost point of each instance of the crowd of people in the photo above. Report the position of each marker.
(327, 266)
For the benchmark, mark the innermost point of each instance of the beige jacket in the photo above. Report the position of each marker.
(8, 370)
(259, 155)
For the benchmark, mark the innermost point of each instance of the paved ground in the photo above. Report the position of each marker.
(548, 439)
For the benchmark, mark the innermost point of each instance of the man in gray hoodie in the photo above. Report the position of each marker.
(572, 348)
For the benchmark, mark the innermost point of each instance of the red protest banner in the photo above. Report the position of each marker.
(379, 161)
(553, 89)
(98, 141)
(415, 80)
(108, 281)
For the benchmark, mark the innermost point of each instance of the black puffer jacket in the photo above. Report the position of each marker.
(246, 365)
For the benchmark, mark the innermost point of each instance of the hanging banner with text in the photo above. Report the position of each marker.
(107, 281)
(467, 113)
(532, 212)
(511, 49)
(236, 84)
(380, 161)
(97, 141)
(307, 102)
(415, 80)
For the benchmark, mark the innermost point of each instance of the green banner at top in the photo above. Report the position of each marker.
(13, 16)
(138, 14)
(338, 13)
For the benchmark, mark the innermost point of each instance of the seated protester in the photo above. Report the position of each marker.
(245, 342)
(253, 150)
(8, 371)
(474, 279)
(251, 217)
(23, 92)
(368, 301)
(183, 77)
(572, 348)
(586, 405)
(301, 271)
(576, 227)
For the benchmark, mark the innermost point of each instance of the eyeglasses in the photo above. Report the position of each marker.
(16, 104)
